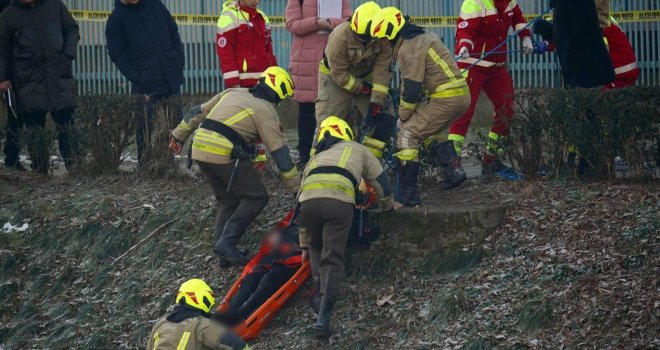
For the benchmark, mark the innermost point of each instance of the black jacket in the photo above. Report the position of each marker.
(143, 42)
(581, 49)
(37, 47)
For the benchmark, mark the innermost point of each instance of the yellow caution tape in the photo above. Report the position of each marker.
(429, 22)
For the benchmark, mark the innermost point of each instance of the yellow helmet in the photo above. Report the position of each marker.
(196, 293)
(362, 17)
(279, 80)
(387, 23)
(337, 127)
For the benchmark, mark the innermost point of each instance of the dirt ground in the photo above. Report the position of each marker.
(573, 266)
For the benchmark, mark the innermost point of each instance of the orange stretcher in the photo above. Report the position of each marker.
(253, 325)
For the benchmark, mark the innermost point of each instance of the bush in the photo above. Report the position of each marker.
(611, 130)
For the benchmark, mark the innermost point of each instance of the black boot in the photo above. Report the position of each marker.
(322, 325)
(446, 154)
(229, 253)
(399, 195)
(410, 195)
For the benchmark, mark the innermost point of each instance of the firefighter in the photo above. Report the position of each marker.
(481, 26)
(229, 124)
(190, 325)
(355, 71)
(244, 43)
(327, 197)
(433, 94)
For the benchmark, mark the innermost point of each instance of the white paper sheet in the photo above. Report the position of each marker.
(329, 9)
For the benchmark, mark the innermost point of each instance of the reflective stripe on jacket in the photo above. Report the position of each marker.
(251, 117)
(484, 24)
(353, 157)
(244, 44)
(425, 60)
(197, 333)
(621, 52)
(351, 62)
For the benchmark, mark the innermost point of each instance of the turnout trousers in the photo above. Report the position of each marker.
(238, 207)
(328, 223)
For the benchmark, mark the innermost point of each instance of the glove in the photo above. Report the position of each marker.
(375, 109)
(528, 47)
(233, 341)
(386, 204)
(176, 146)
(464, 53)
(541, 48)
(292, 180)
(366, 89)
(304, 238)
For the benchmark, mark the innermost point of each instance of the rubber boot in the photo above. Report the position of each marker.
(399, 195)
(492, 165)
(315, 300)
(446, 154)
(226, 247)
(409, 194)
(322, 325)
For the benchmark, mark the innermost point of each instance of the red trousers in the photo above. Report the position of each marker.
(498, 86)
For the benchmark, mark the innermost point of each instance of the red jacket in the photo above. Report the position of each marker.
(622, 55)
(484, 24)
(244, 44)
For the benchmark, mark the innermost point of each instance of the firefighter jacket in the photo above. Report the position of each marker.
(356, 160)
(484, 24)
(244, 44)
(250, 117)
(351, 63)
(621, 53)
(190, 333)
(427, 70)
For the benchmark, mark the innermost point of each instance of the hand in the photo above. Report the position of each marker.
(375, 109)
(541, 48)
(386, 204)
(305, 254)
(5, 85)
(176, 146)
(324, 24)
(366, 90)
(528, 47)
(464, 53)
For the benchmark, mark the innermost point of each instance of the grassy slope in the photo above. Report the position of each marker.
(573, 265)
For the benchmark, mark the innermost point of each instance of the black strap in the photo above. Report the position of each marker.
(223, 130)
(335, 170)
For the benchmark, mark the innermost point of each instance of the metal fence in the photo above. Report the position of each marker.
(97, 75)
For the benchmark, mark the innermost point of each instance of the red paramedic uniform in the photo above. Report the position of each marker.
(244, 44)
(481, 26)
(622, 55)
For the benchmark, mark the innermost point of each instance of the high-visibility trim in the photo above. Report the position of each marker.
(380, 88)
(460, 91)
(468, 41)
(572, 149)
(323, 68)
(245, 66)
(350, 84)
(329, 182)
(458, 141)
(185, 127)
(214, 138)
(607, 42)
(408, 154)
(184, 341)
(374, 146)
(520, 26)
(482, 63)
(239, 116)
(290, 174)
(329, 186)
(244, 76)
(625, 69)
(211, 149)
(494, 136)
(156, 340)
(439, 61)
(512, 5)
(344, 157)
(493, 144)
(407, 105)
(230, 75)
(259, 158)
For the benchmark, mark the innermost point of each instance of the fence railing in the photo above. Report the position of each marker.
(97, 75)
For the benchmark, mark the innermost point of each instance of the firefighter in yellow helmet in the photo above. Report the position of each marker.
(433, 94)
(190, 325)
(327, 197)
(356, 72)
(225, 129)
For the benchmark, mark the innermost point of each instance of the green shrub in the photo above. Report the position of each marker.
(601, 125)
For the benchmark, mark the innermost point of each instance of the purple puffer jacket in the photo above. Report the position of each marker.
(308, 45)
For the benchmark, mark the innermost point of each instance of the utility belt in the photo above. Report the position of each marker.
(241, 150)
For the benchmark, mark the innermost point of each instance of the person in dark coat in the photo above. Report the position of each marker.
(38, 43)
(582, 53)
(144, 43)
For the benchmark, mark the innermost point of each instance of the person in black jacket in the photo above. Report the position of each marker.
(38, 43)
(582, 52)
(144, 43)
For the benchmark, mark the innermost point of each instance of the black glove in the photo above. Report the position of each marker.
(545, 29)
(233, 341)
